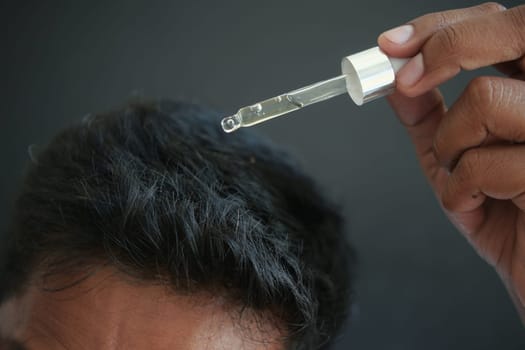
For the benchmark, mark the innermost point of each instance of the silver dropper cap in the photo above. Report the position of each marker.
(370, 74)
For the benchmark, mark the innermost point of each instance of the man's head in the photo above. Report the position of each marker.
(148, 227)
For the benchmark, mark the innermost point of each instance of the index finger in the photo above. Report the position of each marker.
(470, 44)
(407, 40)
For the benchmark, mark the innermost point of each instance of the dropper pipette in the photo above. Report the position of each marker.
(367, 75)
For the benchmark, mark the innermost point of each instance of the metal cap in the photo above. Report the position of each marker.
(370, 74)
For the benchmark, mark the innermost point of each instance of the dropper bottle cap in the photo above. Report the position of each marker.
(370, 74)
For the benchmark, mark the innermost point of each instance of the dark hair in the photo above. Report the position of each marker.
(158, 191)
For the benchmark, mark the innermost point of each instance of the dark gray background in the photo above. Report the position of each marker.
(421, 286)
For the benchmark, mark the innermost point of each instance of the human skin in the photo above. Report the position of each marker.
(471, 153)
(111, 311)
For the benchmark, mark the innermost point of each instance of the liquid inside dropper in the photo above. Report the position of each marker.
(285, 103)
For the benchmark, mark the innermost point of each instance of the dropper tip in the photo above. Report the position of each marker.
(231, 123)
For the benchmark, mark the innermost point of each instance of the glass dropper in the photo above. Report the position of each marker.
(367, 75)
(285, 103)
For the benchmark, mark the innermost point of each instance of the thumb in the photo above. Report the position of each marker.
(421, 116)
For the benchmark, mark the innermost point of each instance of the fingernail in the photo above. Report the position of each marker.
(400, 35)
(411, 72)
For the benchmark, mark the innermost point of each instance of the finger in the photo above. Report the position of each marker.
(473, 43)
(486, 186)
(489, 108)
(406, 40)
(421, 117)
(497, 172)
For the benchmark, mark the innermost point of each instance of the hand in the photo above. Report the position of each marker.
(473, 154)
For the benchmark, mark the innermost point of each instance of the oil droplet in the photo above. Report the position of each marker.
(257, 108)
(293, 101)
(231, 123)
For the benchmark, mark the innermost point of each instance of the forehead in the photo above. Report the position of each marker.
(107, 311)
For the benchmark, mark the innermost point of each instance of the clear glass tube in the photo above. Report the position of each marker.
(285, 103)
